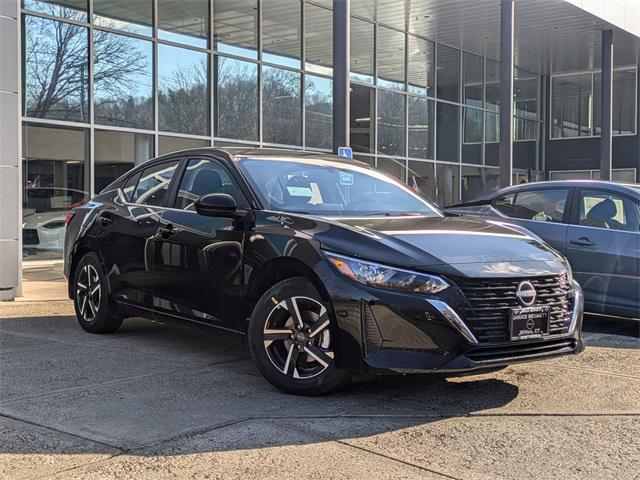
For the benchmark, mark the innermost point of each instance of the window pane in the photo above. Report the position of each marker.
(448, 184)
(360, 124)
(541, 205)
(525, 129)
(282, 109)
(203, 177)
(154, 184)
(117, 152)
(390, 58)
(448, 73)
(53, 170)
(71, 9)
(477, 181)
(318, 37)
(395, 168)
(281, 35)
(492, 86)
(56, 70)
(135, 17)
(571, 106)
(420, 127)
(422, 179)
(607, 210)
(473, 73)
(491, 127)
(421, 68)
(447, 131)
(361, 51)
(183, 97)
(391, 123)
(472, 136)
(184, 21)
(167, 144)
(624, 108)
(123, 83)
(525, 93)
(318, 97)
(236, 27)
(237, 99)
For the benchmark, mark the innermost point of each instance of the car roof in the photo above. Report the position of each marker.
(237, 153)
(629, 188)
(573, 183)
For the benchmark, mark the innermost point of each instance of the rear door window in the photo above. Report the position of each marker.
(154, 184)
(541, 205)
(505, 204)
(608, 210)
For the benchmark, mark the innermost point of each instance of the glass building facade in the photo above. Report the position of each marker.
(108, 84)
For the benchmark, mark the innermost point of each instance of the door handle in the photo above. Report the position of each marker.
(105, 220)
(166, 232)
(582, 242)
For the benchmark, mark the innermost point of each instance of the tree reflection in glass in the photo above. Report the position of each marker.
(122, 80)
(282, 108)
(237, 99)
(56, 69)
(183, 98)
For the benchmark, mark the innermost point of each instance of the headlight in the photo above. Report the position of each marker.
(567, 265)
(381, 276)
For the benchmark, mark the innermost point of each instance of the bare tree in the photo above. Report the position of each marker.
(183, 101)
(57, 60)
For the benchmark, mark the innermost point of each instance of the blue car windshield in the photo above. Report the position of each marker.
(324, 187)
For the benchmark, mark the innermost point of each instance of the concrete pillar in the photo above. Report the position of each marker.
(506, 92)
(10, 178)
(341, 65)
(606, 105)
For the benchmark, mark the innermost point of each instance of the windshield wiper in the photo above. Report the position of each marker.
(392, 214)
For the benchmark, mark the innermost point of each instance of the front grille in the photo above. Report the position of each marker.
(489, 301)
(30, 236)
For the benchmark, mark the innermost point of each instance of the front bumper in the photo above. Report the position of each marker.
(384, 332)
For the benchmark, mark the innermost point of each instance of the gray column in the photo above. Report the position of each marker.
(341, 64)
(506, 92)
(606, 105)
(10, 206)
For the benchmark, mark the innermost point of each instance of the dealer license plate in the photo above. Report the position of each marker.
(528, 323)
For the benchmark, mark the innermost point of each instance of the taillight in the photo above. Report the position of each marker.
(69, 217)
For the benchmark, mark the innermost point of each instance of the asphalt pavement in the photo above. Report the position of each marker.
(154, 402)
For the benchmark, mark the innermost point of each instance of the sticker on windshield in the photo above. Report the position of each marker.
(346, 178)
(300, 191)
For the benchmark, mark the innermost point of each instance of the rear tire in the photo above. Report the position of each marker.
(91, 297)
(292, 338)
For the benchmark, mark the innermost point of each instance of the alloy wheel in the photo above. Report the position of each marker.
(88, 292)
(297, 338)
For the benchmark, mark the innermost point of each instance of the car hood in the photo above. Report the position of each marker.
(474, 247)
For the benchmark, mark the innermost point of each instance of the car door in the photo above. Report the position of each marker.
(199, 258)
(604, 251)
(541, 210)
(125, 241)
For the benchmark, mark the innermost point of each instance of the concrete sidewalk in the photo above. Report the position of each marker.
(153, 402)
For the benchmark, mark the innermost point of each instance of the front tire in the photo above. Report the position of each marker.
(292, 337)
(91, 297)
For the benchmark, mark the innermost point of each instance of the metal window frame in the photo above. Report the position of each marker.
(592, 73)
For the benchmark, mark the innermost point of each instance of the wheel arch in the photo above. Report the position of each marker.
(276, 270)
(79, 251)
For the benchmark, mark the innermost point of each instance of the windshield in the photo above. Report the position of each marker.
(323, 187)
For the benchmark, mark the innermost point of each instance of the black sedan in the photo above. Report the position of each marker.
(595, 224)
(328, 266)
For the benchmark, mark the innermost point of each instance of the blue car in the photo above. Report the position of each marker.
(595, 224)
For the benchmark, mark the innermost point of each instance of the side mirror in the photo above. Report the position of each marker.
(218, 205)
